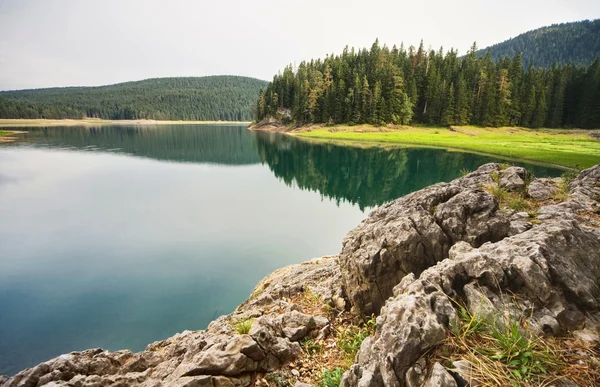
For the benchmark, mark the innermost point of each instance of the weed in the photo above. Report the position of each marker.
(434, 210)
(243, 326)
(569, 175)
(279, 379)
(332, 378)
(498, 192)
(495, 177)
(502, 351)
(523, 355)
(518, 204)
(351, 338)
(504, 166)
(311, 347)
(470, 323)
(464, 172)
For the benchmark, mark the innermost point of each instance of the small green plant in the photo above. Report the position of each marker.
(504, 166)
(279, 379)
(498, 192)
(243, 326)
(518, 204)
(525, 356)
(495, 177)
(470, 323)
(332, 378)
(464, 172)
(311, 347)
(502, 351)
(352, 337)
(570, 175)
(564, 187)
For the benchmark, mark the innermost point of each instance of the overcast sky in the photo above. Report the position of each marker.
(93, 42)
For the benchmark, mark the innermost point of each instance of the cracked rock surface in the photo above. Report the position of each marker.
(553, 267)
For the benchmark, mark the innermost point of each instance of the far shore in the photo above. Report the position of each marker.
(11, 123)
(571, 148)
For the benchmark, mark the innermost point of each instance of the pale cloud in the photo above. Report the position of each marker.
(91, 42)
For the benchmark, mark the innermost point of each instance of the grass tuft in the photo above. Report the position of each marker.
(279, 379)
(332, 378)
(351, 338)
(464, 172)
(243, 326)
(518, 204)
(498, 192)
(503, 351)
(311, 347)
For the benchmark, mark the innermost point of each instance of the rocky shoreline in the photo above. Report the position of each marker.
(418, 263)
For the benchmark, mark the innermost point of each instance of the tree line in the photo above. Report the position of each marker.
(577, 43)
(214, 98)
(418, 86)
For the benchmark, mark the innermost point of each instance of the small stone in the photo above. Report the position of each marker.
(295, 372)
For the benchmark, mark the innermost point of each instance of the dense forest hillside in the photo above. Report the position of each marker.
(577, 43)
(402, 86)
(192, 99)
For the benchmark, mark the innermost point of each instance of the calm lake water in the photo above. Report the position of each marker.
(116, 237)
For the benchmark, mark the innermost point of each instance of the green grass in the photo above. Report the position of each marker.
(332, 378)
(243, 326)
(502, 351)
(569, 148)
(350, 339)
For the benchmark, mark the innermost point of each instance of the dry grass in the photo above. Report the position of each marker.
(503, 351)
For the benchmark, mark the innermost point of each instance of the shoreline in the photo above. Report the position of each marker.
(306, 319)
(566, 148)
(10, 123)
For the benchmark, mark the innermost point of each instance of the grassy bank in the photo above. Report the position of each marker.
(6, 123)
(570, 148)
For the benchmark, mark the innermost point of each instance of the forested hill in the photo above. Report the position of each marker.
(415, 86)
(211, 98)
(577, 43)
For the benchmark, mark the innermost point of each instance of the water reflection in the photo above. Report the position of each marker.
(367, 177)
(214, 144)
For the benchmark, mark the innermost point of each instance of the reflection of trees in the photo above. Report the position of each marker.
(216, 144)
(367, 177)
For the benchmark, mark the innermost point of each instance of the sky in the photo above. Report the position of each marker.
(45, 43)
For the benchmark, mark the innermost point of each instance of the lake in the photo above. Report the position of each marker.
(116, 237)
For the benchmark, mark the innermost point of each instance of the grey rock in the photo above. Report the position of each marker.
(479, 178)
(587, 336)
(414, 232)
(554, 269)
(542, 189)
(463, 372)
(514, 179)
(415, 376)
(440, 378)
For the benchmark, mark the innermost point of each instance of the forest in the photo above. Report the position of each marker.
(213, 98)
(577, 43)
(432, 87)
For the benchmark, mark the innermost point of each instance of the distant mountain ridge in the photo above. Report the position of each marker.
(211, 98)
(577, 43)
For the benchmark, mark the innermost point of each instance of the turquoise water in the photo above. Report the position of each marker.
(116, 237)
